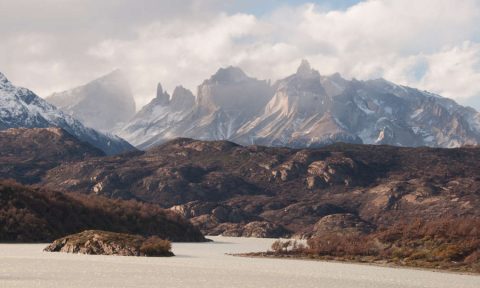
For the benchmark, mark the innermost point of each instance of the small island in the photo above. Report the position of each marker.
(97, 242)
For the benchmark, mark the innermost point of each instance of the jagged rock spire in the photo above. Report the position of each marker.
(162, 97)
(3, 80)
(228, 75)
(306, 71)
(182, 98)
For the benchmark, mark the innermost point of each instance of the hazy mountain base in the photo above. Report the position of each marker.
(101, 104)
(447, 244)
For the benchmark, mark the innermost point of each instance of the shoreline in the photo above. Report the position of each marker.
(263, 255)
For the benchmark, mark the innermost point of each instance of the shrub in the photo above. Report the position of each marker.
(342, 245)
(447, 243)
(39, 215)
(155, 246)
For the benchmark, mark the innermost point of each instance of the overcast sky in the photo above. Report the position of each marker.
(53, 45)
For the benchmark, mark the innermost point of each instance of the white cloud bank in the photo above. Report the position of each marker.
(429, 44)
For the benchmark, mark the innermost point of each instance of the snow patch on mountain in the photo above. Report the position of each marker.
(305, 109)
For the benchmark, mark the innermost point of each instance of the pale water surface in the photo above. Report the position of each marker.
(204, 265)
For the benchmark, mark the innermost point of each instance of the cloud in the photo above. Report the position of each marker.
(176, 52)
(429, 44)
(457, 69)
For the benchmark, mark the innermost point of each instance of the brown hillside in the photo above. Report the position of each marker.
(41, 215)
(222, 186)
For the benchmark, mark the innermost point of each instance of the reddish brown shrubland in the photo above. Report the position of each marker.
(40, 215)
(155, 246)
(452, 243)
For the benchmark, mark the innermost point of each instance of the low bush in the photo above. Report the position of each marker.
(155, 246)
(40, 215)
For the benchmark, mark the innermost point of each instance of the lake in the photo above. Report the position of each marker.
(205, 265)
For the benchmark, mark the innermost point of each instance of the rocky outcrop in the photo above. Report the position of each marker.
(332, 171)
(222, 219)
(256, 229)
(215, 212)
(343, 223)
(96, 242)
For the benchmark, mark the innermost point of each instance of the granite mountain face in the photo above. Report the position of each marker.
(225, 102)
(306, 109)
(21, 108)
(101, 104)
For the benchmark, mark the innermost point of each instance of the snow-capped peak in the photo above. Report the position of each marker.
(4, 81)
(20, 107)
(307, 109)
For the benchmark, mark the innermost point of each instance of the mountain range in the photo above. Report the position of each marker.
(306, 109)
(20, 107)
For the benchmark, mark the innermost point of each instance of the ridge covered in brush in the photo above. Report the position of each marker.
(228, 189)
(40, 215)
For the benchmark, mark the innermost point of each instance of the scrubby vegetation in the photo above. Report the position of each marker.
(155, 246)
(287, 188)
(452, 244)
(39, 215)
